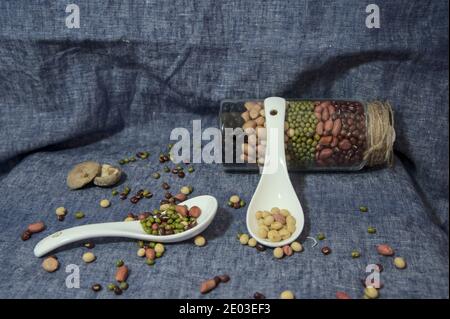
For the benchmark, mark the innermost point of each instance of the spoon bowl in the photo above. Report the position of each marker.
(275, 188)
(207, 204)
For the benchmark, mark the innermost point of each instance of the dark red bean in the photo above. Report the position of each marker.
(26, 235)
(258, 295)
(165, 186)
(134, 200)
(326, 250)
(181, 174)
(224, 278)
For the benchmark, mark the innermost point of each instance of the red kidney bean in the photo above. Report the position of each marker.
(325, 153)
(345, 144)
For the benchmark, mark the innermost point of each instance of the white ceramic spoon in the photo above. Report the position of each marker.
(133, 229)
(275, 188)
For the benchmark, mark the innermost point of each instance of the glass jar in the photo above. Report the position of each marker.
(320, 134)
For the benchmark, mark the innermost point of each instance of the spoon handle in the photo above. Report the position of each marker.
(70, 235)
(275, 158)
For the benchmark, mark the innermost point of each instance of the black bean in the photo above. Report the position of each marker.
(260, 247)
(96, 287)
(117, 290)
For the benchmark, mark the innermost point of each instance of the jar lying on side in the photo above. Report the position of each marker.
(319, 134)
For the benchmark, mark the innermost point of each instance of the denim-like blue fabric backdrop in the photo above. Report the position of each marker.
(132, 72)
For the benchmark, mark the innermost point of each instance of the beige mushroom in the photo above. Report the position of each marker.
(109, 176)
(82, 174)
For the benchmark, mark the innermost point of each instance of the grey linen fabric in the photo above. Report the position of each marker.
(135, 70)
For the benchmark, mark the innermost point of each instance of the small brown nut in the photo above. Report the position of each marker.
(82, 174)
(150, 253)
(207, 286)
(109, 176)
(287, 250)
(385, 250)
(181, 197)
(182, 210)
(50, 264)
(122, 273)
(195, 211)
(36, 227)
